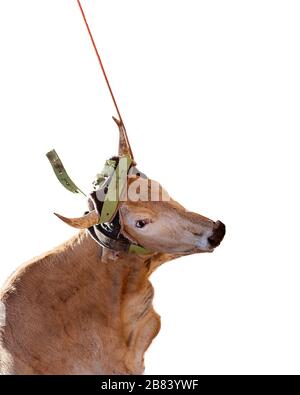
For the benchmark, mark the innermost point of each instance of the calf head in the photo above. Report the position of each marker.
(165, 226)
(144, 214)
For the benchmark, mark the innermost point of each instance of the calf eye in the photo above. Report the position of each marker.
(141, 223)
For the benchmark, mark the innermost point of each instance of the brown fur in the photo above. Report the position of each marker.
(73, 311)
(82, 309)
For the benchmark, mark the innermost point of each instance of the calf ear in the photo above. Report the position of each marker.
(124, 146)
(85, 222)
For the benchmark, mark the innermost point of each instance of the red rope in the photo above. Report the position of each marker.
(101, 65)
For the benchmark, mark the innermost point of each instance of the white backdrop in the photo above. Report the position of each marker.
(210, 95)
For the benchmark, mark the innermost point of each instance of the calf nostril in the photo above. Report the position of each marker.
(218, 235)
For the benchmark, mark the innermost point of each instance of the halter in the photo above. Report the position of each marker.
(109, 184)
(109, 187)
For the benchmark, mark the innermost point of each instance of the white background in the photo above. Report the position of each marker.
(210, 95)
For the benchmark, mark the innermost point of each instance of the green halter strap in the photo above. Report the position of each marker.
(113, 177)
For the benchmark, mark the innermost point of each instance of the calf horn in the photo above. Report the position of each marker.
(88, 220)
